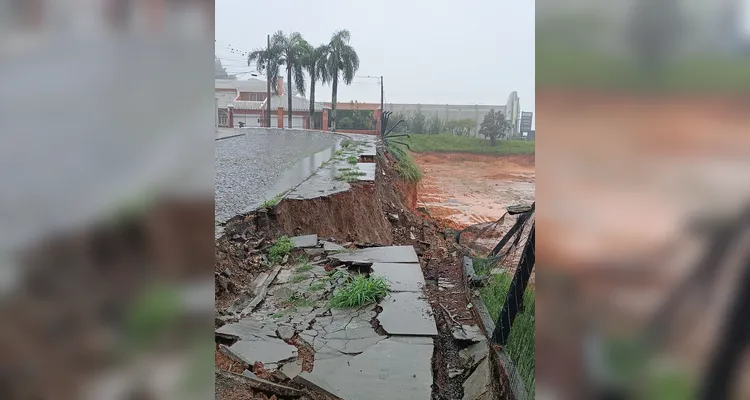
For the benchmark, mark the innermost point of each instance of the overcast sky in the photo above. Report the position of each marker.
(438, 51)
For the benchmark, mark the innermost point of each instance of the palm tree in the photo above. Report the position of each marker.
(292, 50)
(315, 64)
(261, 57)
(342, 60)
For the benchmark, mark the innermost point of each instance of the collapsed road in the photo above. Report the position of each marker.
(280, 334)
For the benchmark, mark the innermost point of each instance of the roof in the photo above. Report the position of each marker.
(247, 85)
(224, 98)
(247, 105)
(298, 103)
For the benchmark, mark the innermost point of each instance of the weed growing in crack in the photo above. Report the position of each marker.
(280, 249)
(352, 160)
(296, 301)
(298, 278)
(347, 143)
(360, 290)
(316, 287)
(273, 202)
(303, 268)
(350, 176)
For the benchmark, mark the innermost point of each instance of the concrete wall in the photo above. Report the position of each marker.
(447, 111)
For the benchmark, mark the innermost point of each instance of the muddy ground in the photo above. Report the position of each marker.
(466, 189)
(382, 216)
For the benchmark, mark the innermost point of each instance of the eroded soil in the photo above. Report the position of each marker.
(465, 189)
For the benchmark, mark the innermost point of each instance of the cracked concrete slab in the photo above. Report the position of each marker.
(368, 169)
(330, 246)
(305, 241)
(248, 329)
(402, 277)
(477, 385)
(388, 254)
(266, 350)
(471, 333)
(475, 353)
(389, 369)
(407, 313)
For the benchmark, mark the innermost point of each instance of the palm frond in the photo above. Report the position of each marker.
(299, 78)
(349, 63)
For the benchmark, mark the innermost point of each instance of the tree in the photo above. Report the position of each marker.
(291, 50)
(494, 126)
(314, 62)
(435, 125)
(460, 127)
(342, 61)
(417, 123)
(267, 57)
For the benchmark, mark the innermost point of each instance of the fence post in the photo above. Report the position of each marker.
(513, 300)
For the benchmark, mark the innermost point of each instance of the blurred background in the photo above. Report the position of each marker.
(106, 199)
(643, 121)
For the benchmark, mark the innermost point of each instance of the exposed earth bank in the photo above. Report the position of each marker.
(377, 213)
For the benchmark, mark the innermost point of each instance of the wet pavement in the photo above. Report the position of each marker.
(263, 163)
(352, 358)
(337, 174)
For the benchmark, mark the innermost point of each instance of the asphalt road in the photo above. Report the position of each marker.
(249, 166)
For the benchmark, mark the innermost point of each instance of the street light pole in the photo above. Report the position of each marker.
(381, 95)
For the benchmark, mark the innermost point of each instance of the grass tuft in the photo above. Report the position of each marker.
(405, 165)
(316, 287)
(299, 278)
(281, 248)
(359, 291)
(349, 176)
(273, 202)
(303, 268)
(352, 160)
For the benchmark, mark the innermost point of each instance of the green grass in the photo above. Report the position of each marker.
(449, 143)
(520, 346)
(352, 160)
(303, 268)
(281, 248)
(359, 291)
(273, 202)
(299, 278)
(316, 287)
(405, 166)
(349, 176)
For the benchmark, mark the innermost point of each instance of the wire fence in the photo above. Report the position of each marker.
(508, 291)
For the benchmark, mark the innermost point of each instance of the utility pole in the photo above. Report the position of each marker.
(268, 82)
(381, 95)
(382, 127)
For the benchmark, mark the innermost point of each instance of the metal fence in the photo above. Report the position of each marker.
(507, 290)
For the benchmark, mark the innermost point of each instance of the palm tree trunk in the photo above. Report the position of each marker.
(289, 92)
(312, 100)
(333, 101)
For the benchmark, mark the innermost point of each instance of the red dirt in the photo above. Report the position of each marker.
(465, 189)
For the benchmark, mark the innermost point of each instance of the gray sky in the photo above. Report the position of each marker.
(438, 51)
